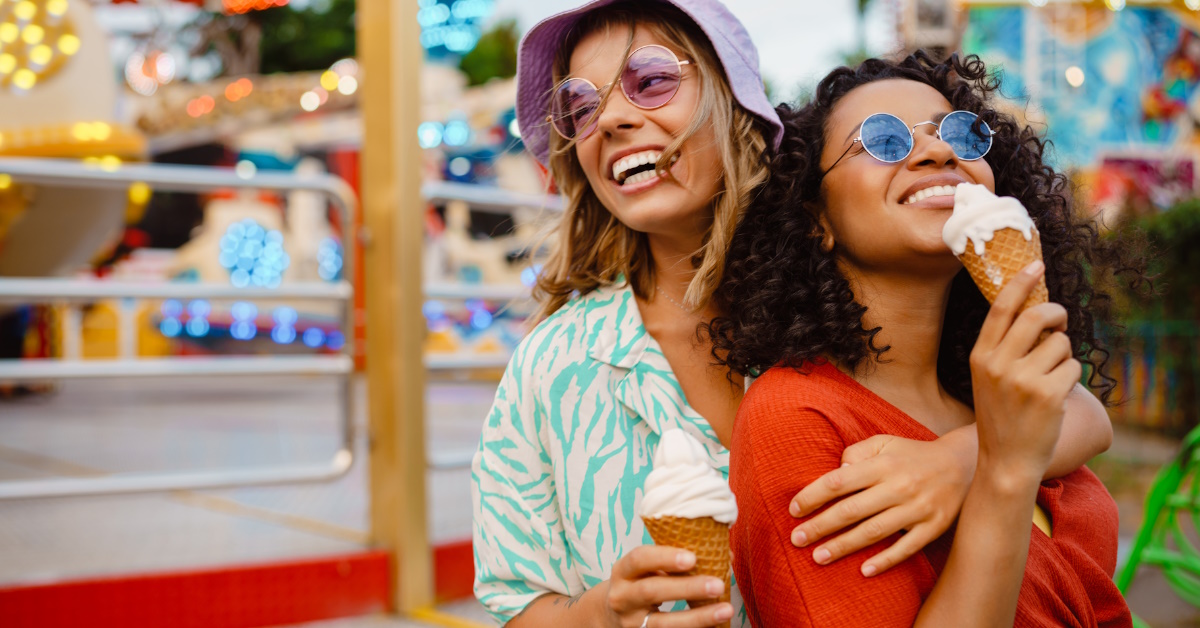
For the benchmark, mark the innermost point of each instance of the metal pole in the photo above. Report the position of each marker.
(391, 56)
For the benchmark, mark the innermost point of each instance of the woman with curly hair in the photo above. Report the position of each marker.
(840, 290)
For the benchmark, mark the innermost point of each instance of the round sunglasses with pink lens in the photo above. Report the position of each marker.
(649, 80)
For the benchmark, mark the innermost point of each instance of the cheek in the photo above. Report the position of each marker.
(589, 160)
(982, 173)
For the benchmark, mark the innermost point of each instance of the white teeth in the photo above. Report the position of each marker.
(937, 190)
(641, 176)
(629, 162)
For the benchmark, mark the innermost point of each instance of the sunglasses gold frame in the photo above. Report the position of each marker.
(603, 91)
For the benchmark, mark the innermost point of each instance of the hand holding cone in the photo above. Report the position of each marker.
(687, 504)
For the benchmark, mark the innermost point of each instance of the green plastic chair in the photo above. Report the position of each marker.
(1170, 527)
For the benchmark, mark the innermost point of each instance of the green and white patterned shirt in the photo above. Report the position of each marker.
(557, 481)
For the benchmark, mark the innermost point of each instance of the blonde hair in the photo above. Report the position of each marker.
(590, 247)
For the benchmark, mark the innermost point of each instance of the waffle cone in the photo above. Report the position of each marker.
(707, 538)
(1005, 256)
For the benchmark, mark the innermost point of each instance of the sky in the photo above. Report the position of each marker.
(798, 40)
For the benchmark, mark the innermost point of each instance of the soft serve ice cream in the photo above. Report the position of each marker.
(1003, 240)
(687, 504)
(979, 214)
(684, 485)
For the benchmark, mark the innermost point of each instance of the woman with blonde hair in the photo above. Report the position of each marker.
(654, 123)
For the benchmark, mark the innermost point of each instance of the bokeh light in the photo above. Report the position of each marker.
(253, 255)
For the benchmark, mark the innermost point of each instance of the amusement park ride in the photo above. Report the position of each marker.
(269, 283)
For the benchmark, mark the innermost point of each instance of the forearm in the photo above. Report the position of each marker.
(982, 578)
(585, 610)
(1086, 433)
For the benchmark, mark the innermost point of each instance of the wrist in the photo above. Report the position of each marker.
(1009, 479)
(964, 443)
(597, 609)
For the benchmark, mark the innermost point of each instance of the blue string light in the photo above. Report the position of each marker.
(313, 337)
(198, 312)
(329, 260)
(243, 327)
(171, 325)
(285, 321)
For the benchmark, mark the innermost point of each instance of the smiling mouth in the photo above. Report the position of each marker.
(638, 167)
(937, 190)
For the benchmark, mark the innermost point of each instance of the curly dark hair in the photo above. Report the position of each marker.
(785, 299)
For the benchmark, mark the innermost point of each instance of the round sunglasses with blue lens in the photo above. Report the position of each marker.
(888, 139)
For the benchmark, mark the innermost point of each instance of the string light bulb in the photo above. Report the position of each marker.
(68, 44)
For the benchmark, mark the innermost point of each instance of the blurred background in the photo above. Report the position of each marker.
(262, 263)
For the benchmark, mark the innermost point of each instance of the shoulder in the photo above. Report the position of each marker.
(573, 325)
(782, 393)
(567, 339)
(787, 411)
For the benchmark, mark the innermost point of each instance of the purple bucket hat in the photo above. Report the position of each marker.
(535, 67)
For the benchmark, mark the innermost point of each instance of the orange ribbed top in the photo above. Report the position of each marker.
(792, 428)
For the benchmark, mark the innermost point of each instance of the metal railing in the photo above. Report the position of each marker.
(166, 178)
(200, 179)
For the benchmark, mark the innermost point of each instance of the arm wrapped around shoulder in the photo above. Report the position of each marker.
(780, 445)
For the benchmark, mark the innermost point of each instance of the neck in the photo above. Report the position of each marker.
(672, 259)
(909, 310)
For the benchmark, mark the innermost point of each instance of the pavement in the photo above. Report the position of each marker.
(105, 426)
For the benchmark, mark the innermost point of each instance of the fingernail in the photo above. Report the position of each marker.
(714, 587)
(1034, 268)
(794, 509)
(845, 464)
(799, 538)
(685, 560)
(723, 612)
(822, 555)
(868, 570)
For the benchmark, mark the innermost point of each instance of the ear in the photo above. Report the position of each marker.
(826, 234)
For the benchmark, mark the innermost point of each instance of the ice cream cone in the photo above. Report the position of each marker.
(1005, 255)
(706, 537)
(688, 504)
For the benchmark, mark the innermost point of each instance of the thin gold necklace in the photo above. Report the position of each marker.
(673, 301)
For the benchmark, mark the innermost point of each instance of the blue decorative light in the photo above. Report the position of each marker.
(529, 276)
(283, 335)
(335, 340)
(285, 321)
(457, 133)
(329, 260)
(313, 337)
(198, 312)
(286, 316)
(434, 310)
(243, 327)
(199, 308)
(481, 319)
(429, 134)
(253, 255)
(170, 327)
(197, 327)
(450, 28)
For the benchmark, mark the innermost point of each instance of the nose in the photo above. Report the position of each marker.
(618, 115)
(929, 149)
